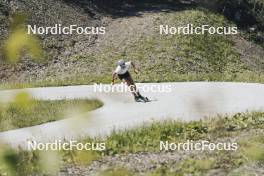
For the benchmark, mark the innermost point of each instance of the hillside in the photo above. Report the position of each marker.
(132, 35)
(56, 47)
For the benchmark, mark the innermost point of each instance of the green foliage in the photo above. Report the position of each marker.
(195, 167)
(162, 58)
(21, 163)
(186, 167)
(24, 111)
(253, 149)
(19, 41)
(80, 157)
(27, 163)
(189, 54)
(174, 131)
(147, 138)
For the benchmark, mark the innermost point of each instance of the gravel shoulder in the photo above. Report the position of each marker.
(145, 163)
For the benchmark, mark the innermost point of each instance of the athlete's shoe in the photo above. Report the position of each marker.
(145, 99)
(137, 98)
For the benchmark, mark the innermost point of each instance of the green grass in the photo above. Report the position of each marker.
(23, 114)
(245, 76)
(161, 58)
(175, 131)
(182, 57)
(146, 139)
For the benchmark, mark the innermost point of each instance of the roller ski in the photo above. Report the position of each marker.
(140, 98)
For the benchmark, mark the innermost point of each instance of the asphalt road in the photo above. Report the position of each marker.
(180, 101)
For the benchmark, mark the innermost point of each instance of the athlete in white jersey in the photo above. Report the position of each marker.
(122, 72)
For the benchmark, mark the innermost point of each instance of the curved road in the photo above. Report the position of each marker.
(186, 101)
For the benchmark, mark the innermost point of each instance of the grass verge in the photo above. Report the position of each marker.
(146, 138)
(24, 112)
(245, 76)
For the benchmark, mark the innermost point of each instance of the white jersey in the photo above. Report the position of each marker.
(120, 71)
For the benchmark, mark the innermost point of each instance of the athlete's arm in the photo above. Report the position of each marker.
(114, 76)
(134, 67)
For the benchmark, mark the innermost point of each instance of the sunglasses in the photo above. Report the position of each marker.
(123, 65)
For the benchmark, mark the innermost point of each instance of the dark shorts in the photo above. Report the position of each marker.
(124, 76)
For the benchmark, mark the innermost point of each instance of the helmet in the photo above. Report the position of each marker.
(121, 62)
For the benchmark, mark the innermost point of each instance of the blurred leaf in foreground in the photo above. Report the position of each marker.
(23, 100)
(50, 162)
(19, 41)
(8, 160)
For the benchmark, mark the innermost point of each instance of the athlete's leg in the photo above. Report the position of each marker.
(130, 83)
